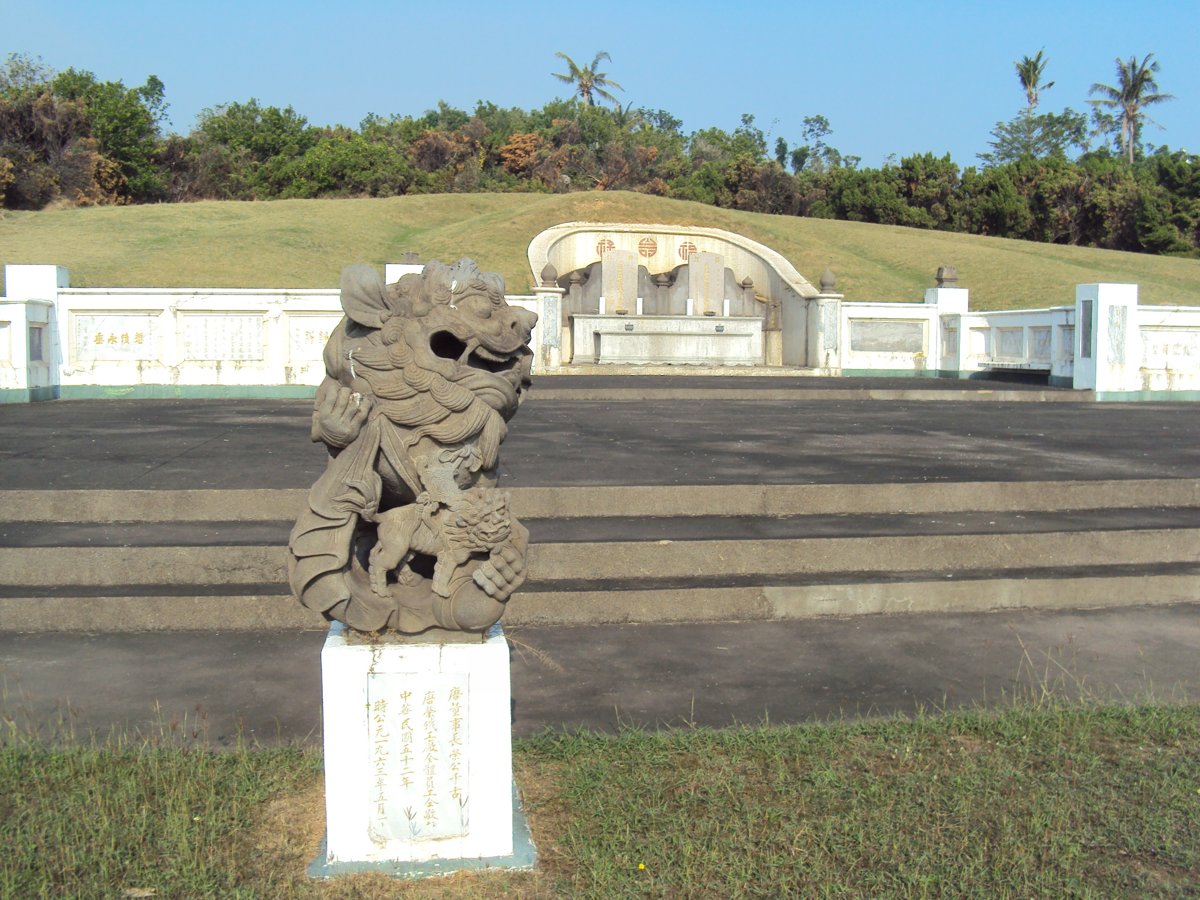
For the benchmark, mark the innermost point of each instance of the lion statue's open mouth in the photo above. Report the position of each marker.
(474, 354)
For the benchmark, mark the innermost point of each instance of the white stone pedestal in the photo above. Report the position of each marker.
(418, 756)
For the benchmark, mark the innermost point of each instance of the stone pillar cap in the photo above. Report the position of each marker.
(947, 276)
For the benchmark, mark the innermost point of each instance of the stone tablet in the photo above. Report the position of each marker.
(706, 283)
(406, 531)
(619, 282)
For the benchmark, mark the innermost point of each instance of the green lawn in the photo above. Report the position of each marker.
(1041, 799)
(305, 243)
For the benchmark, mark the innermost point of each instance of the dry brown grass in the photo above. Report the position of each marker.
(278, 850)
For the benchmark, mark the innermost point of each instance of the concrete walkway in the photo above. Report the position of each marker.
(244, 444)
(604, 677)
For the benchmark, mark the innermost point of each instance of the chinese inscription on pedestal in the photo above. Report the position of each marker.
(417, 756)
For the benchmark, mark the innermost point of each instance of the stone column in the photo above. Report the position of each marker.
(772, 323)
(393, 272)
(662, 293)
(947, 343)
(1108, 347)
(556, 334)
(824, 326)
(32, 337)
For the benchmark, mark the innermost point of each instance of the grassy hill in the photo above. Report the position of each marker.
(305, 243)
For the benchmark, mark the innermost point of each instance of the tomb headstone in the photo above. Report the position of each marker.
(706, 283)
(619, 282)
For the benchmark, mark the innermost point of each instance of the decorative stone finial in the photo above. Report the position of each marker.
(549, 275)
(947, 276)
(747, 282)
(828, 281)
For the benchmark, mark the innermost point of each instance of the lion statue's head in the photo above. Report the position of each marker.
(461, 312)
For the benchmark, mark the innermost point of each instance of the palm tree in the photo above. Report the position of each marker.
(1030, 71)
(1136, 89)
(587, 80)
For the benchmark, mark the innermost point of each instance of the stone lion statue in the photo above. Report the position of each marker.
(405, 530)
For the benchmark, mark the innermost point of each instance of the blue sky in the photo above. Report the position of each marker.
(892, 78)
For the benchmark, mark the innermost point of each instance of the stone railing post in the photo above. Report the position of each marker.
(947, 343)
(824, 326)
(555, 348)
(1108, 346)
(393, 272)
(31, 343)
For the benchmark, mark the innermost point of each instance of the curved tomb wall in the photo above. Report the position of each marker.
(678, 271)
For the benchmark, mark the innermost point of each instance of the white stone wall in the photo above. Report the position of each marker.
(54, 338)
(194, 336)
(167, 337)
(28, 345)
(890, 337)
(687, 340)
(1034, 340)
(1170, 344)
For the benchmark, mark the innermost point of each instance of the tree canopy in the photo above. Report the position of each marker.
(1029, 72)
(589, 82)
(71, 138)
(1122, 107)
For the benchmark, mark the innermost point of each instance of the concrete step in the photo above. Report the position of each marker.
(604, 501)
(631, 528)
(637, 560)
(655, 382)
(241, 610)
(139, 560)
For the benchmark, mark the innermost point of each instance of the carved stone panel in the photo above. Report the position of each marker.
(221, 337)
(886, 336)
(114, 336)
(418, 755)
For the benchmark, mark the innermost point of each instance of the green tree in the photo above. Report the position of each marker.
(257, 144)
(749, 140)
(21, 73)
(125, 123)
(1029, 72)
(1032, 136)
(588, 80)
(1036, 136)
(928, 185)
(814, 154)
(1126, 102)
(344, 163)
(48, 147)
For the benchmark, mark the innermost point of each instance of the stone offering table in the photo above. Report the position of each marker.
(690, 340)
